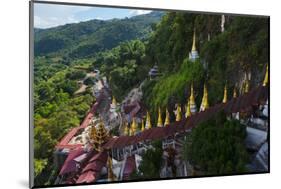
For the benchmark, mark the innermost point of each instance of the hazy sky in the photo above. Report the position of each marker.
(50, 15)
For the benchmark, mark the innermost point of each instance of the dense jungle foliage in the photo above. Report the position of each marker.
(216, 147)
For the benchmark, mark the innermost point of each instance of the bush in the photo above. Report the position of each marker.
(76, 75)
(216, 146)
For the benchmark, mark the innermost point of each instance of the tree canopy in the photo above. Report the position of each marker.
(217, 146)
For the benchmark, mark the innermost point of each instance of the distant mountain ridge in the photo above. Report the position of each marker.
(84, 39)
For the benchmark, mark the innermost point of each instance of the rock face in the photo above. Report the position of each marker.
(256, 141)
(260, 160)
(134, 95)
(255, 138)
(262, 156)
(107, 111)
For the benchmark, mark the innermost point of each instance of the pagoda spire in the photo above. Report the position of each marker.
(194, 41)
(159, 122)
(188, 111)
(265, 81)
(192, 100)
(247, 83)
(193, 55)
(148, 122)
(126, 130)
(133, 127)
(234, 92)
(222, 23)
(167, 119)
(110, 174)
(178, 115)
(204, 104)
(142, 125)
(131, 132)
(113, 101)
(224, 100)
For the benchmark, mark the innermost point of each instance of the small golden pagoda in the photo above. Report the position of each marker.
(133, 127)
(126, 130)
(114, 101)
(159, 122)
(265, 81)
(204, 104)
(142, 125)
(188, 111)
(110, 174)
(131, 132)
(148, 121)
(192, 103)
(194, 42)
(224, 100)
(167, 119)
(234, 92)
(193, 54)
(247, 86)
(178, 113)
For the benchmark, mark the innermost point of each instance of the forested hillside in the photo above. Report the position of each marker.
(84, 39)
(63, 56)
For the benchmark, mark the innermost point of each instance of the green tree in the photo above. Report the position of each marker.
(216, 146)
(150, 165)
(39, 165)
(76, 75)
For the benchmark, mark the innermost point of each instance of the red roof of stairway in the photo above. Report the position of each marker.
(65, 140)
(91, 171)
(242, 103)
(130, 166)
(69, 164)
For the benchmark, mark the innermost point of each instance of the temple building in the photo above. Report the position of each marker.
(193, 55)
(98, 136)
(153, 72)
